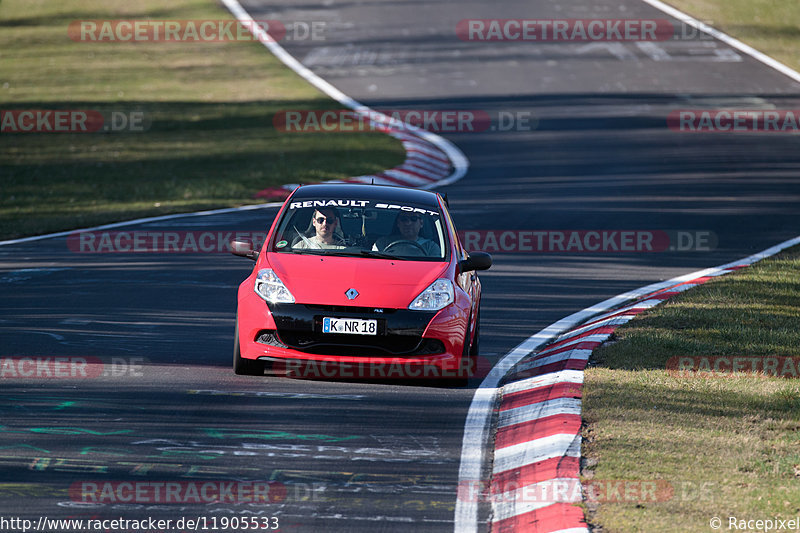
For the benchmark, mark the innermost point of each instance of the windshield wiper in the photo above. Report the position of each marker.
(341, 252)
(305, 251)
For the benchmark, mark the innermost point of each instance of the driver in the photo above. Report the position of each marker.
(325, 221)
(406, 228)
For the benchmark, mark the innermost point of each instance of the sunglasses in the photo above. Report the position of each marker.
(322, 220)
(413, 218)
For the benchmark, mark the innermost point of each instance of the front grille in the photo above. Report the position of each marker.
(399, 331)
(355, 345)
(423, 347)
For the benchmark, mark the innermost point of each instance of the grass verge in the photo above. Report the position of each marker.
(208, 106)
(769, 26)
(727, 445)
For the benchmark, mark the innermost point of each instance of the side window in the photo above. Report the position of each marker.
(438, 234)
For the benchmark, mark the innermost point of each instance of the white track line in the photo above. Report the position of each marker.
(725, 38)
(535, 451)
(535, 411)
(563, 376)
(456, 156)
(479, 416)
(143, 221)
(535, 496)
(608, 322)
(557, 358)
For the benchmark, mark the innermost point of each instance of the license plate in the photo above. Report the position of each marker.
(350, 326)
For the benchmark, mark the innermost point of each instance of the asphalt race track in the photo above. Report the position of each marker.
(377, 456)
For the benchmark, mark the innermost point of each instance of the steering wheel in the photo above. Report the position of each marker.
(401, 242)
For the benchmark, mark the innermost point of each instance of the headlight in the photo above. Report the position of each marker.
(270, 287)
(438, 295)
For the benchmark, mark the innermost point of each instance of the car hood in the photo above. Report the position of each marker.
(324, 280)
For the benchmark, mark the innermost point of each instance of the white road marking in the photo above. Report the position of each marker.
(725, 38)
(527, 413)
(527, 453)
(456, 156)
(653, 51)
(564, 376)
(617, 50)
(143, 221)
(535, 496)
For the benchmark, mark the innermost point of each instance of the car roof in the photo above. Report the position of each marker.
(384, 193)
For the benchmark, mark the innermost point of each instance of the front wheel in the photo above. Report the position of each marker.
(473, 349)
(466, 368)
(242, 366)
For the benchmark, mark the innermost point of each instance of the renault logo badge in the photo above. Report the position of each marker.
(351, 294)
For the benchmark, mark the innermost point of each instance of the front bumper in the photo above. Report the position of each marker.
(399, 331)
(410, 339)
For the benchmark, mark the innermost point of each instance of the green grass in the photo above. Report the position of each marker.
(770, 26)
(728, 445)
(210, 141)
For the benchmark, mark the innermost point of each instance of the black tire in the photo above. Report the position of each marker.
(473, 349)
(241, 366)
(467, 363)
(469, 355)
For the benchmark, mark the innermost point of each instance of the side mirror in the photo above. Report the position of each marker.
(244, 249)
(476, 261)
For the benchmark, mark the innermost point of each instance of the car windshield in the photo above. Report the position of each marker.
(362, 228)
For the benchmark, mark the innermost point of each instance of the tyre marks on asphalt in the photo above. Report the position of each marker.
(322, 476)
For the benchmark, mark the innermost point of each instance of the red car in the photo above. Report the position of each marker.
(360, 281)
